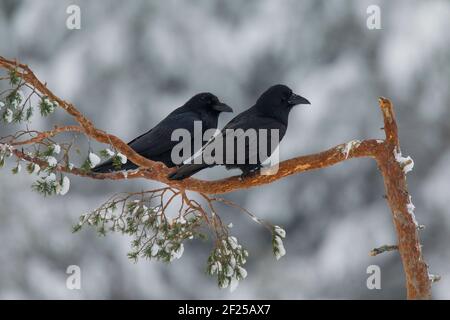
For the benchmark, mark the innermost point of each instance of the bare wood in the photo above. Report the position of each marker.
(418, 284)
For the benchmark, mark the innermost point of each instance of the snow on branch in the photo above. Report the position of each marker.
(157, 236)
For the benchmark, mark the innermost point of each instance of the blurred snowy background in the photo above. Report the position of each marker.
(133, 62)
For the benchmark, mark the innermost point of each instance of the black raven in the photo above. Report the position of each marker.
(270, 112)
(157, 144)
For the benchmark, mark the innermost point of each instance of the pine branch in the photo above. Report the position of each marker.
(386, 153)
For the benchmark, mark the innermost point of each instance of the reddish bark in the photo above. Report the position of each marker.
(418, 284)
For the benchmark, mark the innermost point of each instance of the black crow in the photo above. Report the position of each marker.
(271, 111)
(157, 144)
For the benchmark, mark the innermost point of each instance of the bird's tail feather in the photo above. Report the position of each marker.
(187, 170)
(108, 166)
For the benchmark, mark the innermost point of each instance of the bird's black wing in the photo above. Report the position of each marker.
(156, 144)
(249, 119)
(253, 142)
(158, 140)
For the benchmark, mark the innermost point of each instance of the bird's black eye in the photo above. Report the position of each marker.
(285, 96)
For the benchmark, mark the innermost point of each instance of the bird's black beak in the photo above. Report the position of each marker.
(296, 99)
(222, 107)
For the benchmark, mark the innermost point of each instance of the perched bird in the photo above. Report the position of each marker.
(157, 144)
(271, 111)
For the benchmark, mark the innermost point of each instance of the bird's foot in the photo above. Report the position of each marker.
(248, 173)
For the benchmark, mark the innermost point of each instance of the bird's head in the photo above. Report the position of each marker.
(280, 97)
(208, 102)
(277, 102)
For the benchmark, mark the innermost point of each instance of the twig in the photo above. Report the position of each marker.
(384, 248)
(384, 152)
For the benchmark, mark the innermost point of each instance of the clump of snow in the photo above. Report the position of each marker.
(179, 252)
(233, 284)
(256, 219)
(215, 267)
(2, 104)
(155, 249)
(380, 141)
(36, 168)
(109, 152)
(94, 159)
(242, 272)
(279, 249)
(49, 105)
(410, 207)
(21, 95)
(50, 178)
(52, 162)
(225, 283)
(349, 146)
(406, 163)
(434, 277)
(71, 166)
(181, 219)
(280, 231)
(232, 262)
(64, 186)
(230, 225)
(122, 157)
(4, 147)
(56, 148)
(8, 116)
(233, 242)
(229, 271)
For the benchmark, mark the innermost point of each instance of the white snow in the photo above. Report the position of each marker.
(109, 152)
(233, 242)
(256, 219)
(71, 165)
(52, 162)
(406, 163)
(280, 232)
(9, 116)
(56, 148)
(229, 271)
(65, 186)
(2, 104)
(21, 95)
(155, 249)
(225, 283)
(233, 284)
(36, 168)
(219, 266)
(179, 252)
(230, 225)
(123, 158)
(233, 262)
(50, 178)
(410, 207)
(94, 159)
(349, 146)
(242, 272)
(281, 251)
(6, 147)
(216, 266)
(181, 219)
(434, 277)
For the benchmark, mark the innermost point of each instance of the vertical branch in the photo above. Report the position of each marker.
(416, 270)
